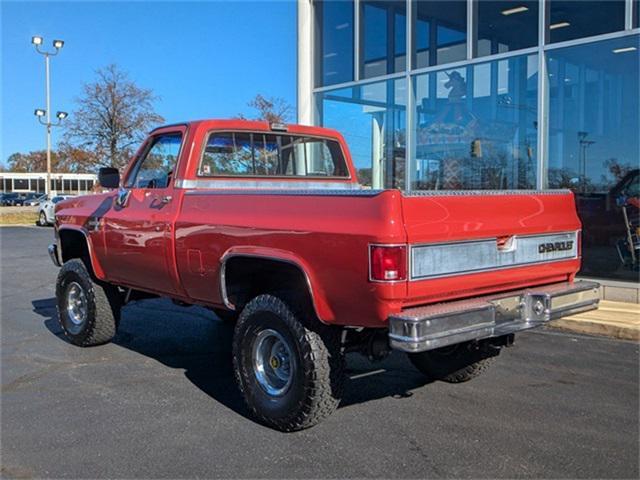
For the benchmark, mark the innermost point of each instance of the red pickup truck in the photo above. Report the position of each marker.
(267, 226)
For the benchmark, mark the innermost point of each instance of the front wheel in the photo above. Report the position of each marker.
(42, 219)
(88, 310)
(288, 365)
(455, 364)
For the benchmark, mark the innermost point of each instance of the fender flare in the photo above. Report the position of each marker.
(95, 264)
(318, 297)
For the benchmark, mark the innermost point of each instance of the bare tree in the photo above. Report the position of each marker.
(113, 116)
(271, 109)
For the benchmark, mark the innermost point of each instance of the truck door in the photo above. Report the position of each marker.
(138, 228)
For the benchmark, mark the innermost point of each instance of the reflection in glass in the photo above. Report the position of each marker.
(476, 127)
(506, 25)
(593, 139)
(440, 32)
(372, 119)
(570, 19)
(334, 37)
(383, 37)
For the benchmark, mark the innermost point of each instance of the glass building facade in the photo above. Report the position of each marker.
(488, 94)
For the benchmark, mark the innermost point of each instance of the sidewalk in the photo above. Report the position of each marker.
(613, 319)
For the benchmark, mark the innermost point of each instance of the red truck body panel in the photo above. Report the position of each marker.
(174, 241)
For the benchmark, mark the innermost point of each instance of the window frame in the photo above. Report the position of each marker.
(133, 170)
(207, 136)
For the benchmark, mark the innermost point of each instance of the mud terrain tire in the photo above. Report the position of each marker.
(88, 310)
(310, 388)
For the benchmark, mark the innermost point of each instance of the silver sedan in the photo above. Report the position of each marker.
(46, 213)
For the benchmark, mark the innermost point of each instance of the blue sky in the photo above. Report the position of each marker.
(204, 59)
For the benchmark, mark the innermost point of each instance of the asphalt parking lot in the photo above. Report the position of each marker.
(161, 402)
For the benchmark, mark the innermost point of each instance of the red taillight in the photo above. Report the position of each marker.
(388, 263)
(579, 239)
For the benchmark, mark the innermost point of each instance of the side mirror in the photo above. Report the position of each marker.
(109, 177)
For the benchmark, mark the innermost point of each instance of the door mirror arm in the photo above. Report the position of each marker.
(122, 197)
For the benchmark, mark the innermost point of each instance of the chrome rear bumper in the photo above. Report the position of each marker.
(434, 326)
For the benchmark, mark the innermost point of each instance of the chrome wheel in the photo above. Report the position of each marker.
(273, 362)
(76, 307)
(43, 219)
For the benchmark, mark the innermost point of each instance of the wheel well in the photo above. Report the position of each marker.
(73, 244)
(248, 277)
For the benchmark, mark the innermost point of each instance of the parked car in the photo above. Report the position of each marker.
(6, 199)
(46, 214)
(268, 226)
(25, 199)
(37, 200)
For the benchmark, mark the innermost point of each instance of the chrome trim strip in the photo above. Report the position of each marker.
(267, 184)
(415, 247)
(463, 193)
(292, 192)
(438, 325)
(53, 254)
(223, 268)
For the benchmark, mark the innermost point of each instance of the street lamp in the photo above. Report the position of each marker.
(37, 41)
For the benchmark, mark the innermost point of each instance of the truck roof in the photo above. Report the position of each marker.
(254, 125)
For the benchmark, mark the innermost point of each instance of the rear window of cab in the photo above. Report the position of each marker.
(254, 154)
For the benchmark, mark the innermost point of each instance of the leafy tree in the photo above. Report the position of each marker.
(35, 161)
(67, 159)
(113, 116)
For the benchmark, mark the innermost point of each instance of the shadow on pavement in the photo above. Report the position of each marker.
(194, 340)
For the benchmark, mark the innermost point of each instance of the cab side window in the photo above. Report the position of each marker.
(155, 169)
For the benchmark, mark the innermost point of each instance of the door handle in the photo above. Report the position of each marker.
(166, 199)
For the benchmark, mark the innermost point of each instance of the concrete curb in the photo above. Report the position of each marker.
(612, 319)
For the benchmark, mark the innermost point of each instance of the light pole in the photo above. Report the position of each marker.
(57, 44)
(584, 144)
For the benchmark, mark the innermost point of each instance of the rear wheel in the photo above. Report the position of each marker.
(42, 219)
(88, 310)
(288, 365)
(454, 364)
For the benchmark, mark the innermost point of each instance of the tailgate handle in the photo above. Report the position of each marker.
(506, 243)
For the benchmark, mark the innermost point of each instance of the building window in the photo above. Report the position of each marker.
(439, 32)
(334, 38)
(476, 127)
(41, 185)
(506, 25)
(569, 19)
(21, 183)
(593, 140)
(383, 37)
(372, 119)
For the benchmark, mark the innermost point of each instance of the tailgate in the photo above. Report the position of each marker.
(467, 243)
